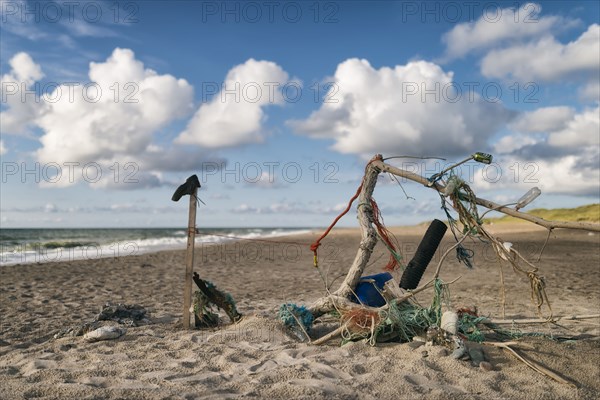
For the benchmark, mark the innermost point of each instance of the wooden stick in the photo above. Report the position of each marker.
(337, 332)
(532, 364)
(542, 321)
(587, 226)
(415, 291)
(189, 261)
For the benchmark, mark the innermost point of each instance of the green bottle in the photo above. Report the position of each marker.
(484, 158)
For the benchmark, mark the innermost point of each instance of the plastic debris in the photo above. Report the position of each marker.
(104, 333)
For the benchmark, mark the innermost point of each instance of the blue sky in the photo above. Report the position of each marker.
(108, 106)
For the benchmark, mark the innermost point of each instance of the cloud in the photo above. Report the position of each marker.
(11, 13)
(505, 25)
(22, 108)
(543, 119)
(38, 21)
(547, 59)
(512, 143)
(236, 113)
(3, 149)
(583, 130)
(177, 159)
(567, 134)
(81, 27)
(388, 110)
(563, 160)
(569, 175)
(288, 208)
(591, 91)
(264, 181)
(124, 208)
(115, 117)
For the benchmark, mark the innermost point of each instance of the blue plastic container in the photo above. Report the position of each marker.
(366, 289)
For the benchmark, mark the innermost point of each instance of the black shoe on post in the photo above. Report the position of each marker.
(187, 188)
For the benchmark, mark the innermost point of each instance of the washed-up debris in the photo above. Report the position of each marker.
(104, 333)
(297, 320)
(207, 299)
(77, 330)
(124, 314)
(449, 322)
(369, 310)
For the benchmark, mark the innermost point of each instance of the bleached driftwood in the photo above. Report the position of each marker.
(587, 226)
(543, 321)
(367, 243)
(339, 298)
(536, 366)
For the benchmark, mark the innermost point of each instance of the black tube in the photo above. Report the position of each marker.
(416, 267)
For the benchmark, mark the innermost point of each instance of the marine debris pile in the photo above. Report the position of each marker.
(380, 308)
(104, 325)
(377, 308)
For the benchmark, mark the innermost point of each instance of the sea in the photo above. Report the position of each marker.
(26, 246)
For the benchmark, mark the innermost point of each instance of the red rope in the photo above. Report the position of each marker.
(384, 234)
(266, 240)
(317, 243)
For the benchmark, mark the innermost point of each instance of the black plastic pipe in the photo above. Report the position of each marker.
(416, 267)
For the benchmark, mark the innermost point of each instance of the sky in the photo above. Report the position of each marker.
(277, 106)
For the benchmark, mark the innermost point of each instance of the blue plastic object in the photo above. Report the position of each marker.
(367, 289)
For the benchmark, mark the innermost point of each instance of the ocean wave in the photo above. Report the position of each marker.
(69, 250)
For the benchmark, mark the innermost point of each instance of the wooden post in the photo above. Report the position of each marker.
(189, 260)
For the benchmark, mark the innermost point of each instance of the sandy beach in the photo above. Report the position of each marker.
(256, 359)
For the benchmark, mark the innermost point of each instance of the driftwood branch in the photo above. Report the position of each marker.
(543, 321)
(532, 364)
(367, 243)
(587, 226)
(333, 334)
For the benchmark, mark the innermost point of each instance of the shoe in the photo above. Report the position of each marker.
(187, 188)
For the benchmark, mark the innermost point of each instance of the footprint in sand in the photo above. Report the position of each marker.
(37, 365)
(421, 383)
(96, 381)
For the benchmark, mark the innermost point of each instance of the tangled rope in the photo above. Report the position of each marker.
(315, 246)
(387, 238)
(384, 234)
(464, 202)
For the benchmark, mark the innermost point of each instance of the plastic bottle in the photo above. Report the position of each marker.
(528, 197)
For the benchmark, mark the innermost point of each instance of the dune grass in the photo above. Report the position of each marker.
(587, 213)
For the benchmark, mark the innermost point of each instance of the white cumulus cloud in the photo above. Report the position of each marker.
(21, 106)
(99, 124)
(114, 117)
(591, 91)
(235, 115)
(388, 111)
(543, 119)
(546, 59)
(583, 130)
(3, 149)
(564, 157)
(503, 25)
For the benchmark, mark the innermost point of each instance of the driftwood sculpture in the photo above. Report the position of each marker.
(339, 300)
(399, 318)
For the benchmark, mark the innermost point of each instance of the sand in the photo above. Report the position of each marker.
(255, 358)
